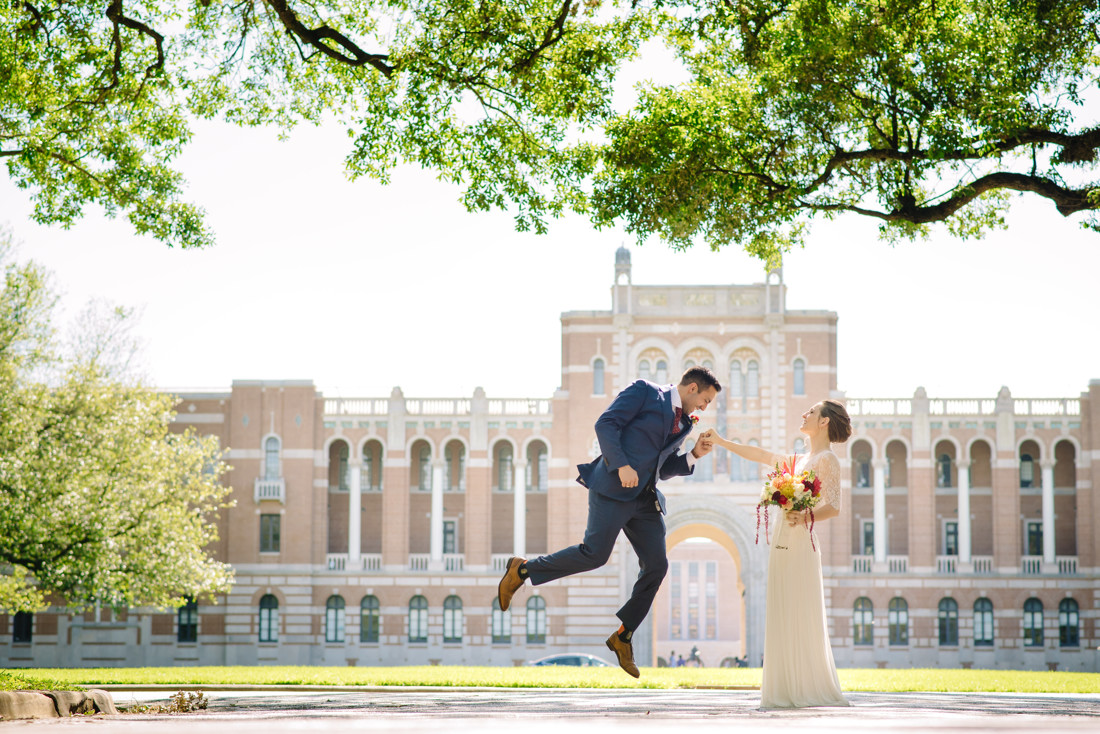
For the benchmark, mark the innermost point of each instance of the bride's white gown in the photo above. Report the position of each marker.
(798, 660)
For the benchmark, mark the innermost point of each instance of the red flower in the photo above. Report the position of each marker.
(777, 496)
(807, 484)
(782, 500)
(817, 485)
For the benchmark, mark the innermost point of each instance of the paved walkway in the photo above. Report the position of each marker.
(546, 711)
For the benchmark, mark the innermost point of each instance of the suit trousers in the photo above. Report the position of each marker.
(644, 527)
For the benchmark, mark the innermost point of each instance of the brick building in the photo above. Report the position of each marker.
(374, 531)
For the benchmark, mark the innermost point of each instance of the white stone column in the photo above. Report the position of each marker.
(879, 495)
(964, 512)
(355, 512)
(519, 517)
(436, 547)
(1047, 467)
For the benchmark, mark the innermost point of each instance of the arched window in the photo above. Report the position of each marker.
(187, 622)
(662, 372)
(736, 379)
(452, 619)
(502, 624)
(372, 466)
(505, 475)
(269, 618)
(708, 364)
(799, 377)
(688, 364)
(643, 369)
(537, 467)
(369, 610)
(536, 621)
(1069, 628)
(863, 622)
(334, 619)
(983, 623)
(949, 622)
(1033, 623)
(943, 471)
(22, 627)
(425, 462)
(597, 377)
(338, 466)
(898, 621)
(454, 475)
(418, 619)
(1027, 471)
(271, 458)
(752, 386)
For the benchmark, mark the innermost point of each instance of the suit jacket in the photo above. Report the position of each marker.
(635, 430)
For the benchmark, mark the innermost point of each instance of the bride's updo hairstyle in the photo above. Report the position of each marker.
(840, 425)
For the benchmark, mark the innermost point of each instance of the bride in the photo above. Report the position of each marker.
(798, 661)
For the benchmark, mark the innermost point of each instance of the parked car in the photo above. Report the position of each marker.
(579, 659)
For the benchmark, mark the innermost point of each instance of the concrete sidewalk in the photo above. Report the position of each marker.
(542, 711)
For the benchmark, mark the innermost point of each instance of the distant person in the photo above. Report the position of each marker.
(799, 669)
(640, 435)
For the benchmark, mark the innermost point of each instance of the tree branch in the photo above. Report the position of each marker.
(552, 35)
(4, 153)
(1067, 201)
(347, 52)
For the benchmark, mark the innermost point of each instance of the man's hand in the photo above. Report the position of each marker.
(703, 446)
(627, 476)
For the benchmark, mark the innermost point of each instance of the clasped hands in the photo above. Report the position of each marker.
(629, 478)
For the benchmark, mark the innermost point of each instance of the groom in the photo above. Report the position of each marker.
(640, 435)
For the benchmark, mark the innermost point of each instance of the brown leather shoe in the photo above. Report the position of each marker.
(511, 582)
(625, 652)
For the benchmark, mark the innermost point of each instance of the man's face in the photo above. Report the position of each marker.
(698, 400)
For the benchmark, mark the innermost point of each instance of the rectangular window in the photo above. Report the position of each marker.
(693, 601)
(1034, 537)
(187, 622)
(676, 621)
(868, 537)
(269, 533)
(450, 535)
(712, 600)
(951, 538)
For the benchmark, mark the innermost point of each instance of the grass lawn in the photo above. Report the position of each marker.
(962, 681)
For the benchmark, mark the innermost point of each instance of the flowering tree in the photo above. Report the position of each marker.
(100, 502)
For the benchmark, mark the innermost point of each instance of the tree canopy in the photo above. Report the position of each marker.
(910, 112)
(100, 501)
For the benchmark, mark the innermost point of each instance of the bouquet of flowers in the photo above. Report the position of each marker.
(791, 492)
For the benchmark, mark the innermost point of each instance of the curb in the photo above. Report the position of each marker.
(54, 704)
(224, 688)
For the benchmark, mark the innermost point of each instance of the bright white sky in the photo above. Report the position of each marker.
(361, 287)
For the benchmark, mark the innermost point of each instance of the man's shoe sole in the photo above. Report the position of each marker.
(500, 587)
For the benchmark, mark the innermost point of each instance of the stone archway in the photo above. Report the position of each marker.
(731, 526)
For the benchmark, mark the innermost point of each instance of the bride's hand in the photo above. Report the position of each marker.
(796, 518)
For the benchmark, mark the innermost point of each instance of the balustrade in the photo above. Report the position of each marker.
(269, 489)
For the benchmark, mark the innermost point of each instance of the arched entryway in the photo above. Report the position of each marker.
(710, 541)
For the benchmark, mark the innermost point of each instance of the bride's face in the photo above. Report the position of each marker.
(811, 421)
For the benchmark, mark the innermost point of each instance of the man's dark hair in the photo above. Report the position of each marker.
(702, 377)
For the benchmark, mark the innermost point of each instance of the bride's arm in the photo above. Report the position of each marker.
(752, 453)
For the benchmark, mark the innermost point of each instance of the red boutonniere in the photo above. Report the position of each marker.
(693, 418)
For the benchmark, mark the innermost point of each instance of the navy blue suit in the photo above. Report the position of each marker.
(636, 430)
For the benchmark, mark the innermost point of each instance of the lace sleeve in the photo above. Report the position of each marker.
(828, 470)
